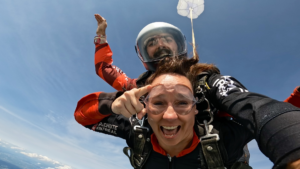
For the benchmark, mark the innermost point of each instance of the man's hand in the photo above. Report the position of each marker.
(102, 24)
(128, 103)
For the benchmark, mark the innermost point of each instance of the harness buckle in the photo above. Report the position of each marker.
(209, 136)
(140, 127)
(207, 132)
(141, 122)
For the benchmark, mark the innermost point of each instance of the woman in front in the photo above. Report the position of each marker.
(170, 136)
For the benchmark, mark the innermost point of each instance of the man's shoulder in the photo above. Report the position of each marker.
(140, 81)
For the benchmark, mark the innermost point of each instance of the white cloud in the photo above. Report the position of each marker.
(44, 158)
(40, 157)
(18, 148)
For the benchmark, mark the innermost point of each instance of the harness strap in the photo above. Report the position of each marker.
(201, 159)
(201, 83)
(130, 156)
(141, 145)
(210, 148)
(212, 153)
(200, 92)
(140, 136)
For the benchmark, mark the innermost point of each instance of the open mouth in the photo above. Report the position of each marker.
(170, 131)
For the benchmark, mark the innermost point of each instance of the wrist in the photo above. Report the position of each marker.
(101, 33)
(100, 39)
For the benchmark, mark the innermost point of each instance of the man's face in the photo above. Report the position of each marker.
(170, 127)
(161, 45)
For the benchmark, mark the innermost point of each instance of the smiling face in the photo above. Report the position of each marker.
(161, 45)
(171, 128)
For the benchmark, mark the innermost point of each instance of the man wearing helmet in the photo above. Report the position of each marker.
(154, 42)
(158, 40)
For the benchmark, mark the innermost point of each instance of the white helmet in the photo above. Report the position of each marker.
(154, 31)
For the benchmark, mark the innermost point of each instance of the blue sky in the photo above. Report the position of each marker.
(47, 64)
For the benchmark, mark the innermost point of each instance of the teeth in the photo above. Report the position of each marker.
(169, 127)
(169, 135)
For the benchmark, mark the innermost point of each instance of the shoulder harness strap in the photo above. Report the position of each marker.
(142, 147)
(202, 85)
(209, 142)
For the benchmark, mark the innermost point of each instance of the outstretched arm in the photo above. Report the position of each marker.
(274, 124)
(113, 75)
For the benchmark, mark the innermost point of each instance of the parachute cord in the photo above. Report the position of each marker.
(193, 36)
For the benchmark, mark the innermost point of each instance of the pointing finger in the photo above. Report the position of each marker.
(142, 91)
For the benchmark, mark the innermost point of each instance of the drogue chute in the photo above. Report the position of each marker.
(191, 9)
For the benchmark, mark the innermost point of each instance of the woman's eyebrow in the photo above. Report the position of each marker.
(159, 96)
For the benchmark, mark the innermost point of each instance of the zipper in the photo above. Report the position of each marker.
(170, 161)
(169, 157)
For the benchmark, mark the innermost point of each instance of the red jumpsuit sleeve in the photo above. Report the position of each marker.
(113, 75)
(88, 108)
(93, 111)
(294, 98)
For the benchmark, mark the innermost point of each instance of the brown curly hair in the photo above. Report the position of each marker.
(188, 67)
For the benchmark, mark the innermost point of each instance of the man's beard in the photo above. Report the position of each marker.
(160, 53)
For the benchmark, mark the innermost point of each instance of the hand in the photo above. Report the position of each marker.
(102, 24)
(128, 103)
